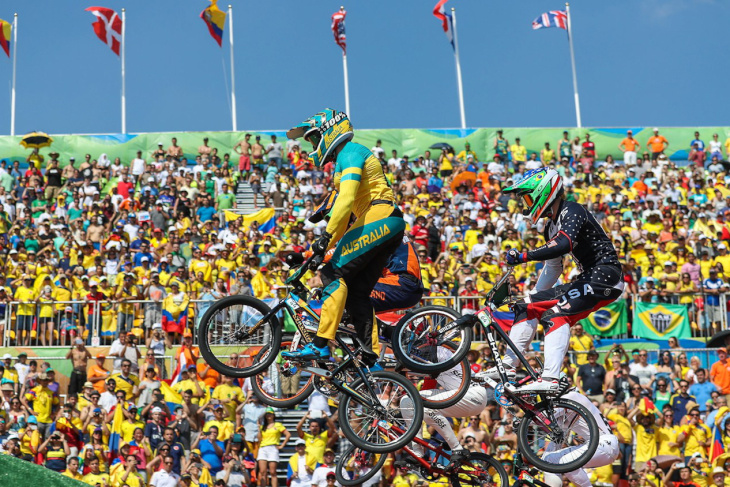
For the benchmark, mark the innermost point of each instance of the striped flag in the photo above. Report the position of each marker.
(5, 30)
(172, 398)
(205, 480)
(447, 22)
(338, 29)
(215, 19)
(108, 27)
(115, 436)
(553, 18)
(718, 447)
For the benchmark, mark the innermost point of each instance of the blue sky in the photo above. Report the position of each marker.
(640, 63)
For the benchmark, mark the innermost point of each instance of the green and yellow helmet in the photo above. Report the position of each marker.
(325, 131)
(538, 188)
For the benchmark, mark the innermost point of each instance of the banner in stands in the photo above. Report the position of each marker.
(658, 321)
(609, 321)
(412, 142)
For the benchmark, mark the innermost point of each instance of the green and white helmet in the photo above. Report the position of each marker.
(538, 188)
(325, 131)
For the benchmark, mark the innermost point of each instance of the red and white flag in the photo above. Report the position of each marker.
(338, 29)
(108, 27)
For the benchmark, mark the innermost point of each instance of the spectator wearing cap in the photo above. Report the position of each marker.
(127, 381)
(42, 402)
(327, 468)
(713, 286)
(220, 421)
(270, 433)
(10, 374)
(84, 398)
(696, 436)
(301, 466)
(97, 374)
(720, 373)
(189, 382)
(154, 428)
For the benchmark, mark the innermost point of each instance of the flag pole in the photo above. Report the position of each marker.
(458, 69)
(346, 78)
(572, 63)
(124, 94)
(234, 121)
(12, 92)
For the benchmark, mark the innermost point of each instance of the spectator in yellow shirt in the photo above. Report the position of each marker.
(580, 342)
(42, 401)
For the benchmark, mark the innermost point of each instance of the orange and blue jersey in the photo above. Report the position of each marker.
(400, 287)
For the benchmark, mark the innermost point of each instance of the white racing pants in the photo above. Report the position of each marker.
(473, 403)
(606, 453)
(557, 342)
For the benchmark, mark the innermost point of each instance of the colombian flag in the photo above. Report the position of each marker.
(172, 398)
(115, 437)
(5, 30)
(265, 218)
(215, 19)
(505, 319)
(717, 448)
(205, 479)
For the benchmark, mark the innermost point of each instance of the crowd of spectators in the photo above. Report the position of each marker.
(101, 249)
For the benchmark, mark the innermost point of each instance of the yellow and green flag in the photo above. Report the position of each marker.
(659, 321)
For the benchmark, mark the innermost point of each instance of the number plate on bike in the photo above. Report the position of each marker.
(527, 477)
(384, 424)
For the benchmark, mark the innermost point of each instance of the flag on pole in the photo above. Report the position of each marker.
(108, 27)
(447, 22)
(338, 29)
(115, 436)
(215, 19)
(553, 18)
(5, 31)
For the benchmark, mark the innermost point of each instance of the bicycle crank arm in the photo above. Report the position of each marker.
(317, 371)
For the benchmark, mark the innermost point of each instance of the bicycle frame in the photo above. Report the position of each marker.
(290, 305)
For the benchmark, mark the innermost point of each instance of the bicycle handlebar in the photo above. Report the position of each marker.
(296, 277)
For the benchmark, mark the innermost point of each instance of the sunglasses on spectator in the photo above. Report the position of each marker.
(694, 414)
(642, 355)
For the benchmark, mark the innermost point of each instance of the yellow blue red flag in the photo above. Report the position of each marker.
(5, 30)
(215, 19)
(115, 436)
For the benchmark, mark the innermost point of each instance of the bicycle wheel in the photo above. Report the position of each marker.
(560, 426)
(457, 381)
(481, 470)
(419, 334)
(357, 466)
(378, 425)
(234, 325)
(289, 388)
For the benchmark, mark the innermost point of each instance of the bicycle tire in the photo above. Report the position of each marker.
(458, 394)
(216, 316)
(417, 352)
(351, 411)
(362, 457)
(463, 475)
(274, 400)
(524, 433)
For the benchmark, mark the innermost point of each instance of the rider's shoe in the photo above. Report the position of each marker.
(308, 352)
(493, 373)
(544, 385)
(457, 456)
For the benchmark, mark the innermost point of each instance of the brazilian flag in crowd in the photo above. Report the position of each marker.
(608, 321)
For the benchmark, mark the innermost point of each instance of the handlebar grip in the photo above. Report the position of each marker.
(315, 262)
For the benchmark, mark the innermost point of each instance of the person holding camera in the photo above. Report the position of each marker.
(125, 347)
(55, 449)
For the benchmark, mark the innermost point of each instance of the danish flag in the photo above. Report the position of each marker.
(108, 27)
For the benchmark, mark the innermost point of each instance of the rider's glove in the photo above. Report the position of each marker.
(515, 257)
(316, 262)
(319, 247)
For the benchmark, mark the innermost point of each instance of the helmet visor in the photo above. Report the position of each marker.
(313, 137)
(527, 198)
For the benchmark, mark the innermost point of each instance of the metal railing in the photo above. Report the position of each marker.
(57, 323)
